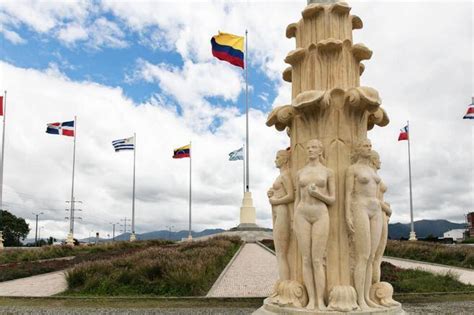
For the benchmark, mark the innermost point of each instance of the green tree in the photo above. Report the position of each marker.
(14, 228)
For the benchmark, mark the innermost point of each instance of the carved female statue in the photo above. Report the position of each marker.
(280, 195)
(386, 213)
(315, 190)
(364, 218)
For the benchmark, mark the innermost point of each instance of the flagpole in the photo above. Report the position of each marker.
(247, 182)
(132, 236)
(412, 232)
(70, 238)
(1, 163)
(243, 168)
(190, 237)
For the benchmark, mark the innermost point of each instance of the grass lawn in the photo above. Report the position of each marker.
(453, 255)
(184, 269)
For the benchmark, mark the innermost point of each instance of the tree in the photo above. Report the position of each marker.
(14, 228)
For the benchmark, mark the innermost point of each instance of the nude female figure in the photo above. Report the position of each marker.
(364, 218)
(280, 195)
(315, 190)
(386, 213)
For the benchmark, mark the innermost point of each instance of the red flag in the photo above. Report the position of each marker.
(1, 105)
(403, 133)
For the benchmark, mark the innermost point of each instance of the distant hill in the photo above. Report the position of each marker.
(423, 228)
(162, 234)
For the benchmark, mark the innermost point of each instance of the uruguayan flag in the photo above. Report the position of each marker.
(236, 155)
(124, 144)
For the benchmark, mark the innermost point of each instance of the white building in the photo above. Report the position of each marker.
(456, 235)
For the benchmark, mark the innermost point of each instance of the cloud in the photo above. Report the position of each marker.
(72, 33)
(13, 37)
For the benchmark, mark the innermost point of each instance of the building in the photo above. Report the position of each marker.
(457, 235)
(470, 223)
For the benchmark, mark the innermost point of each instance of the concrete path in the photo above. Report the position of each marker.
(465, 275)
(252, 273)
(41, 285)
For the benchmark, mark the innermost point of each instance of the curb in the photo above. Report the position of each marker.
(429, 263)
(266, 248)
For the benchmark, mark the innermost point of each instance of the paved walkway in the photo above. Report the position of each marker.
(251, 274)
(42, 285)
(465, 275)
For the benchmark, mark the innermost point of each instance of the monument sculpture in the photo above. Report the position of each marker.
(336, 227)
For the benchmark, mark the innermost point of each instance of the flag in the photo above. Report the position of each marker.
(182, 152)
(124, 144)
(1, 105)
(65, 128)
(470, 111)
(229, 48)
(236, 155)
(403, 133)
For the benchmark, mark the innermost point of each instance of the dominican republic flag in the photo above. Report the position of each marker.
(403, 133)
(65, 128)
(124, 144)
(470, 111)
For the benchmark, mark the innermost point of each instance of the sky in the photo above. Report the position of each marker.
(146, 67)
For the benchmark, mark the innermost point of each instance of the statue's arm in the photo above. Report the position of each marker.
(290, 193)
(348, 198)
(330, 198)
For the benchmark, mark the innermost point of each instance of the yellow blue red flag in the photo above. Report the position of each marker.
(229, 48)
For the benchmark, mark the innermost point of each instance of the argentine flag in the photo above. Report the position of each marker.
(237, 155)
(124, 144)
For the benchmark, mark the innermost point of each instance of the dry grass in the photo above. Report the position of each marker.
(453, 255)
(185, 269)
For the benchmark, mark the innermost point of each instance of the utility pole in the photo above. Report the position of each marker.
(36, 228)
(124, 225)
(71, 219)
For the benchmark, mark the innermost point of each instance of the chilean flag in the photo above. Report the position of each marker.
(65, 128)
(403, 133)
(470, 111)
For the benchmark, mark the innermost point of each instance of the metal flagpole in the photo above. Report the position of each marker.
(247, 182)
(70, 239)
(132, 236)
(412, 232)
(3, 149)
(1, 163)
(190, 190)
(243, 167)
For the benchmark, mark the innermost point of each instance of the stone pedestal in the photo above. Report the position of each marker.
(412, 236)
(70, 239)
(270, 309)
(133, 237)
(247, 211)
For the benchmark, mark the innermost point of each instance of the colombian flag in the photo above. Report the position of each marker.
(229, 48)
(182, 152)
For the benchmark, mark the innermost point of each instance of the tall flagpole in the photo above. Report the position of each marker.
(247, 182)
(243, 168)
(1, 163)
(412, 232)
(190, 237)
(132, 236)
(70, 237)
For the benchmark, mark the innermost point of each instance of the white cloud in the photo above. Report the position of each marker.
(104, 33)
(72, 33)
(13, 37)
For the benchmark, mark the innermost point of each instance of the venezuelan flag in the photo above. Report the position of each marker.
(229, 48)
(182, 152)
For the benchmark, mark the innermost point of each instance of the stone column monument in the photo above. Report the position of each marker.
(337, 220)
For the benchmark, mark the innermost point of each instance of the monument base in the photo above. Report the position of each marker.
(412, 236)
(133, 237)
(271, 309)
(70, 239)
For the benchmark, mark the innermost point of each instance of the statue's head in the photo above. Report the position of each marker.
(362, 149)
(375, 159)
(282, 158)
(314, 149)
